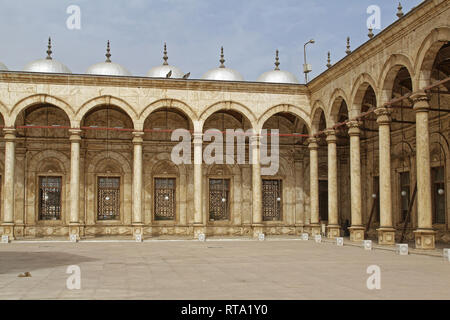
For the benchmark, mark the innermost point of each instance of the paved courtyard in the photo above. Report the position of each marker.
(217, 270)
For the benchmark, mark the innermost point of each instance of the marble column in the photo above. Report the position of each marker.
(8, 183)
(386, 232)
(138, 225)
(300, 206)
(74, 223)
(333, 227)
(424, 235)
(257, 219)
(357, 228)
(314, 185)
(198, 181)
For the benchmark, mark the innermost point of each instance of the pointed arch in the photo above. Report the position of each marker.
(361, 84)
(335, 103)
(317, 109)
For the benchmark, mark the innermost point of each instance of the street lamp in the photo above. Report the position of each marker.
(306, 67)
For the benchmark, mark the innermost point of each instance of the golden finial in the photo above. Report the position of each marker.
(329, 60)
(400, 12)
(348, 51)
(222, 60)
(165, 57)
(277, 61)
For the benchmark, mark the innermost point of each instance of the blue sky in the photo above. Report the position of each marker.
(249, 30)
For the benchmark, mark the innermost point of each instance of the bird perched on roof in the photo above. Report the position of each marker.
(186, 75)
(169, 74)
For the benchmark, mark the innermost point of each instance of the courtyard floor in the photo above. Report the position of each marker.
(283, 269)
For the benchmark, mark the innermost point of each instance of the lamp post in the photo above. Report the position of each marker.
(307, 67)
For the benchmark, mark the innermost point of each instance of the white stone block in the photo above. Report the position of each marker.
(367, 244)
(201, 237)
(261, 236)
(73, 238)
(318, 238)
(138, 237)
(305, 236)
(402, 249)
(5, 239)
(339, 241)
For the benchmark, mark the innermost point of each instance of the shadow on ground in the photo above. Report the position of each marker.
(29, 261)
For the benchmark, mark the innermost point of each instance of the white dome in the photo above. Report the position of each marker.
(163, 70)
(108, 68)
(48, 64)
(277, 75)
(222, 73)
(3, 67)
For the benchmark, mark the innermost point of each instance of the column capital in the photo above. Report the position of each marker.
(420, 101)
(10, 134)
(353, 127)
(254, 138)
(198, 137)
(312, 143)
(383, 116)
(331, 136)
(75, 134)
(138, 137)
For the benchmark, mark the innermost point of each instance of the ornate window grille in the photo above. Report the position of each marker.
(108, 198)
(49, 198)
(165, 204)
(219, 193)
(271, 200)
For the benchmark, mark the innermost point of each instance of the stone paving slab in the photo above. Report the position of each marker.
(217, 270)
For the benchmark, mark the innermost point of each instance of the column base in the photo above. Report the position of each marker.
(333, 231)
(257, 229)
(138, 232)
(357, 233)
(315, 229)
(386, 236)
(19, 231)
(8, 230)
(299, 229)
(198, 229)
(425, 239)
(75, 229)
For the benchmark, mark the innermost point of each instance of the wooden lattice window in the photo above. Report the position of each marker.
(219, 194)
(50, 198)
(108, 198)
(165, 203)
(271, 199)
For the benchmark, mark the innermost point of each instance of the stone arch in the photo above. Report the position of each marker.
(226, 105)
(106, 100)
(165, 167)
(122, 162)
(362, 83)
(287, 108)
(426, 55)
(318, 107)
(40, 99)
(389, 73)
(335, 103)
(4, 113)
(166, 103)
(59, 157)
(441, 140)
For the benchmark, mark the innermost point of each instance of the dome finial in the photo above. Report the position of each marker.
(348, 51)
(329, 60)
(108, 52)
(222, 60)
(49, 50)
(277, 61)
(165, 57)
(400, 12)
(370, 34)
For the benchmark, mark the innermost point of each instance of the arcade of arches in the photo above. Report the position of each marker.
(91, 156)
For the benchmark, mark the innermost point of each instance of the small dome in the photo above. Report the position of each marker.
(277, 75)
(48, 64)
(222, 73)
(165, 70)
(108, 68)
(3, 67)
